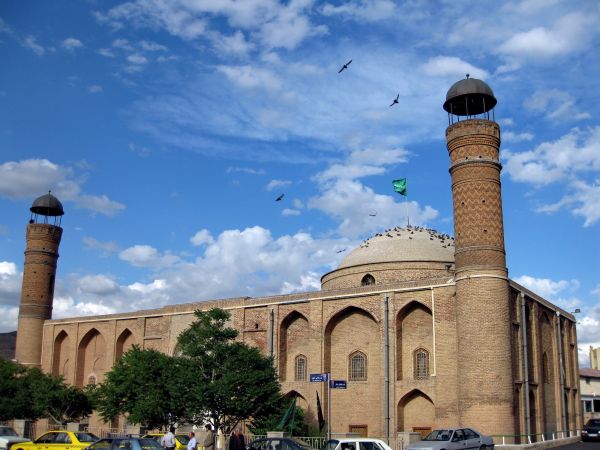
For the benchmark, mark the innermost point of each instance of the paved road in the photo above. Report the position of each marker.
(582, 446)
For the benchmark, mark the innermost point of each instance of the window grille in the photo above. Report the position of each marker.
(367, 280)
(421, 364)
(300, 368)
(358, 367)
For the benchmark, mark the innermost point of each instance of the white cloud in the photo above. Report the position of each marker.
(568, 34)
(30, 42)
(64, 307)
(509, 136)
(444, 66)
(137, 59)
(202, 237)
(98, 285)
(584, 202)
(246, 170)
(277, 184)
(546, 287)
(250, 77)
(235, 44)
(106, 52)
(95, 89)
(147, 256)
(156, 285)
(104, 247)
(71, 44)
(368, 10)
(578, 151)
(310, 281)
(287, 212)
(100, 204)
(150, 46)
(556, 104)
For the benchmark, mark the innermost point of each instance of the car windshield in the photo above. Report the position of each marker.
(149, 444)
(102, 444)
(439, 435)
(593, 423)
(182, 438)
(301, 443)
(7, 431)
(331, 444)
(86, 437)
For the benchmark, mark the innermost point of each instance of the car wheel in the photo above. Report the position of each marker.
(483, 447)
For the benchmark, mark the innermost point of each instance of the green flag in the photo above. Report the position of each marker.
(400, 186)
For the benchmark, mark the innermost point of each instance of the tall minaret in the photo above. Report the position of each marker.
(37, 293)
(483, 316)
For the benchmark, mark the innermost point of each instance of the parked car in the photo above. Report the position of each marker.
(453, 439)
(278, 444)
(9, 437)
(58, 440)
(591, 430)
(126, 443)
(355, 444)
(181, 440)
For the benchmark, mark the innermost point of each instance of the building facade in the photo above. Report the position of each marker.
(428, 330)
(589, 382)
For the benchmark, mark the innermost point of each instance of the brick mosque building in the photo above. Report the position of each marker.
(428, 330)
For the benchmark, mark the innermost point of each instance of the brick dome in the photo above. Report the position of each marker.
(402, 245)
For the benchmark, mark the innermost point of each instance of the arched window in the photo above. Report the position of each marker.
(545, 369)
(421, 364)
(367, 280)
(357, 370)
(91, 379)
(300, 368)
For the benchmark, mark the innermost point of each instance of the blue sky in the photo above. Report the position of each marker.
(168, 128)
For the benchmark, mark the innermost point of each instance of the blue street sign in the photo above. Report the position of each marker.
(318, 377)
(338, 384)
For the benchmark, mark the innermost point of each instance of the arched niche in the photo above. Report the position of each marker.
(415, 411)
(414, 330)
(124, 342)
(294, 334)
(91, 356)
(60, 354)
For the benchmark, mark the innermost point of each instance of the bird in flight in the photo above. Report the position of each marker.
(278, 199)
(373, 214)
(395, 100)
(345, 66)
(341, 251)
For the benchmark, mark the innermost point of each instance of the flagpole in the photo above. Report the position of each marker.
(406, 205)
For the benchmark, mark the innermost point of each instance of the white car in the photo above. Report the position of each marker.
(8, 437)
(355, 444)
(454, 439)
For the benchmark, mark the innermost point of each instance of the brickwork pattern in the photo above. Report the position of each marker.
(37, 292)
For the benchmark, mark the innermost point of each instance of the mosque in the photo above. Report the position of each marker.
(427, 330)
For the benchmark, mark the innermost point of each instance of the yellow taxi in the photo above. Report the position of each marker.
(58, 440)
(181, 440)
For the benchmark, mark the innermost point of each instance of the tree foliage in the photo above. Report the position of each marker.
(145, 385)
(228, 381)
(31, 394)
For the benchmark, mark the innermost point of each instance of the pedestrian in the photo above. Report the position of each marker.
(191, 445)
(207, 438)
(237, 441)
(168, 440)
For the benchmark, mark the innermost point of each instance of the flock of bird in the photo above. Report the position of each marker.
(396, 229)
(445, 239)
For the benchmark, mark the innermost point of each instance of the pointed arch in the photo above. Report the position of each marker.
(367, 280)
(60, 355)
(124, 342)
(294, 333)
(415, 410)
(414, 330)
(300, 399)
(91, 356)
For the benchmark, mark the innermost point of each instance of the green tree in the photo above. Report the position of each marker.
(146, 386)
(31, 394)
(228, 381)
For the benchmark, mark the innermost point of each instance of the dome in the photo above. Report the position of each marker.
(409, 244)
(47, 205)
(469, 97)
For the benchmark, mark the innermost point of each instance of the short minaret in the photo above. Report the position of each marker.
(483, 320)
(37, 292)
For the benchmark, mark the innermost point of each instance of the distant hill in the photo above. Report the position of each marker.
(7, 344)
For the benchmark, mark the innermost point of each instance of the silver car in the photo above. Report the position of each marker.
(8, 437)
(453, 439)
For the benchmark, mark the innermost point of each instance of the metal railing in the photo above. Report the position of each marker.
(516, 439)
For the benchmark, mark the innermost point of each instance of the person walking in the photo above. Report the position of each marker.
(192, 444)
(168, 440)
(207, 438)
(237, 440)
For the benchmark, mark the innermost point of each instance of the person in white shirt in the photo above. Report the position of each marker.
(168, 440)
(191, 445)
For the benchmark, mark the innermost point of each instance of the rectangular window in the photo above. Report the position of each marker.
(596, 406)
